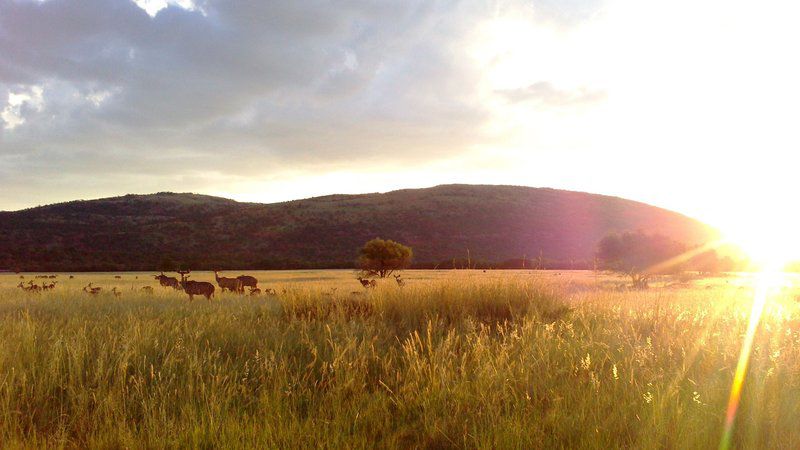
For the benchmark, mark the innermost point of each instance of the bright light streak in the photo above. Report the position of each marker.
(766, 280)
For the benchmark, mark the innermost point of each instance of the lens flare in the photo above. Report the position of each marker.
(766, 280)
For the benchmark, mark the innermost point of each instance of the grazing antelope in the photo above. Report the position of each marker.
(92, 290)
(117, 277)
(168, 281)
(255, 291)
(367, 283)
(30, 288)
(248, 281)
(231, 284)
(116, 292)
(71, 277)
(52, 285)
(148, 290)
(193, 288)
(400, 282)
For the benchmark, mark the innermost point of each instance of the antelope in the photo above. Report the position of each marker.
(117, 277)
(247, 281)
(193, 288)
(33, 287)
(167, 281)
(400, 282)
(367, 283)
(52, 285)
(231, 284)
(255, 291)
(92, 290)
(116, 292)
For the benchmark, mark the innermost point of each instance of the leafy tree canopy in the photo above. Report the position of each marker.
(639, 255)
(382, 257)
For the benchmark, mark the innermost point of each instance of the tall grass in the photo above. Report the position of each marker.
(504, 363)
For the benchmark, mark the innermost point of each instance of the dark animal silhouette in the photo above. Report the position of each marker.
(168, 281)
(193, 288)
(367, 283)
(248, 281)
(30, 287)
(231, 284)
(400, 282)
(92, 290)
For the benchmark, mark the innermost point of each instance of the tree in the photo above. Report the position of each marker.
(639, 255)
(382, 257)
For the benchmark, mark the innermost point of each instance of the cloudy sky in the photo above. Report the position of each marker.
(687, 104)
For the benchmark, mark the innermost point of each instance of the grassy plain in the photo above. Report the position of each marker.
(455, 359)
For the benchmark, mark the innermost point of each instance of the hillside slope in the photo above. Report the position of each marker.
(496, 223)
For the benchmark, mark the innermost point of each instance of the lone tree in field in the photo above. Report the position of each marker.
(382, 257)
(639, 255)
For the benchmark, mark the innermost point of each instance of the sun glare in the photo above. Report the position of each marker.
(770, 245)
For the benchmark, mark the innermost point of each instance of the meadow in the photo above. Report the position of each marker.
(454, 359)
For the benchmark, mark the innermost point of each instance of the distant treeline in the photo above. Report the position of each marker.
(709, 263)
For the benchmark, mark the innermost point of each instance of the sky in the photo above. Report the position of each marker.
(688, 105)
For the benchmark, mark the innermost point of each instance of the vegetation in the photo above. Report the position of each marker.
(491, 226)
(382, 257)
(454, 359)
(640, 255)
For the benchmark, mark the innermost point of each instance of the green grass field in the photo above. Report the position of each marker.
(455, 359)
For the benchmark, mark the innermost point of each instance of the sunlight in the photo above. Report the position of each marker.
(766, 281)
(771, 243)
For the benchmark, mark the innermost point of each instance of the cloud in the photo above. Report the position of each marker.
(101, 90)
(545, 93)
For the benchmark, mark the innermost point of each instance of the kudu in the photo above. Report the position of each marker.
(92, 290)
(367, 283)
(248, 281)
(193, 288)
(166, 281)
(231, 284)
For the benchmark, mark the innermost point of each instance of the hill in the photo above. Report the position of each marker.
(496, 224)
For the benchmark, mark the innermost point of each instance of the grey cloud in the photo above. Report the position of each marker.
(232, 87)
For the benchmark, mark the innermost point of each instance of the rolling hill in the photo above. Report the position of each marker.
(495, 223)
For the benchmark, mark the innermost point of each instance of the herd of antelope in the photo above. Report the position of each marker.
(191, 287)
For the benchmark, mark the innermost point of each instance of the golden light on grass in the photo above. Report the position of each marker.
(766, 281)
(770, 248)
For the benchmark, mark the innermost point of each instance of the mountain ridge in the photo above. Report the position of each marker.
(494, 223)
